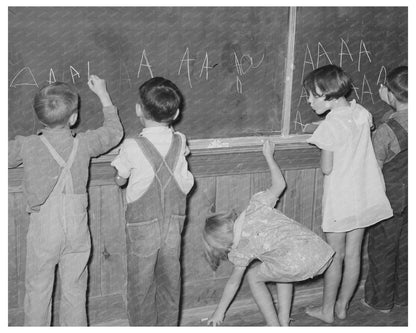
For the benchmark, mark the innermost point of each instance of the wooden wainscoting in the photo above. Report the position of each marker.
(224, 179)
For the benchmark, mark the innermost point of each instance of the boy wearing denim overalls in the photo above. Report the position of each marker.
(55, 164)
(386, 285)
(159, 181)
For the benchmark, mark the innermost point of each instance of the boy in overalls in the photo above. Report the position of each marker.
(386, 285)
(159, 180)
(56, 166)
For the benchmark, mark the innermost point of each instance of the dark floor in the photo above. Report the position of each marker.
(247, 314)
(358, 315)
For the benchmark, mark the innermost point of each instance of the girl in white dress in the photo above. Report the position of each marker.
(354, 193)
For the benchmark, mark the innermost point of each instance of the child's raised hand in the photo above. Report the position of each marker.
(97, 85)
(268, 148)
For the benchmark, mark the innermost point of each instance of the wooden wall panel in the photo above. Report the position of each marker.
(233, 192)
(112, 247)
(13, 268)
(22, 221)
(201, 203)
(317, 203)
(94, 267)
(299, 195)
(212, 193)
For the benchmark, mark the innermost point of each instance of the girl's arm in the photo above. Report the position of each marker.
(327, 158)
(278, 181)
(229, 292)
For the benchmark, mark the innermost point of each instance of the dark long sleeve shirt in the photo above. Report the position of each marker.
(41, 171)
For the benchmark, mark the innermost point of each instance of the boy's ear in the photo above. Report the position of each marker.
(73, 119)
(176, 115)
(139, 111)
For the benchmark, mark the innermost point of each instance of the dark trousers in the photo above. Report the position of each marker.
(154, 273)
(386, 282)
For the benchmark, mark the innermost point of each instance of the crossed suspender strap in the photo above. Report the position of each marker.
(65, 178)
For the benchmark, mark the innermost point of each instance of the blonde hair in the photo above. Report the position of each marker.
(217, 237)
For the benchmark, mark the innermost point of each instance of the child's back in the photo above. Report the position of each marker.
(55, 179)
(159, 181)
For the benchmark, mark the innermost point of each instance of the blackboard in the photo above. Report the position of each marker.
(366, 42)
(228, 62)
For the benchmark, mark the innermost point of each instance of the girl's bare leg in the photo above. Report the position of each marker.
(262, 297)
(351, 273)
(284, 299)
(332, 279)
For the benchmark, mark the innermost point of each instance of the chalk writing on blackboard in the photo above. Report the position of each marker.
(187, 60)
(239, 65)
(51, 76)
(322, 52)
(362, 92)
(146, 64)
(342, 53)
(205, 66)
(362, 47)
(74, 73)
(24, 72)
(382, 74)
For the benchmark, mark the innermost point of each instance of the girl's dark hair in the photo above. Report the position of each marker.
(331, 80)
(55, 103)
(396, 82)
(217, 237)
(160, 99)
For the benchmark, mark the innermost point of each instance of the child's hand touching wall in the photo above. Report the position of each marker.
(268, 149)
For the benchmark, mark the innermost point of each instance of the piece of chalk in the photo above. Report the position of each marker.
(204, 319)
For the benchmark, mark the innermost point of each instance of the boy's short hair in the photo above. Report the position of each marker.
(331, 80)
(396, 82)
(55, 103)
(217, 237)
(160, 99)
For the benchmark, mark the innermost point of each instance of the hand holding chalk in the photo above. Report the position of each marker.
(98, 86)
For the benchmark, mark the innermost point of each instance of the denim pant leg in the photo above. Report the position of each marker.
(73, 262)
(382, 255)
(74, 276)
(168, 273)
(143, 241)
(168, 279)
(401, 292)
(44, 240)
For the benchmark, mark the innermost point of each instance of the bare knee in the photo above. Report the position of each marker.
(339, 256)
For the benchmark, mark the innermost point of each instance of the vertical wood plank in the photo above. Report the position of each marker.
(12, 254)
(259, 182)
(200, 204)
(233, 192)
(112, 249)
(94, 269)
(317, 203)
(300, 195)
(22, 223)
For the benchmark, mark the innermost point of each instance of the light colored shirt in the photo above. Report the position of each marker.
(354, 193)
(386, 145)
(131, 162)
(41, 171)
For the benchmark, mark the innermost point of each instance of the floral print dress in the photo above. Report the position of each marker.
(288, 251)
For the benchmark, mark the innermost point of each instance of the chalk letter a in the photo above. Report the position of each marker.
(26, 77)
(144, 57)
